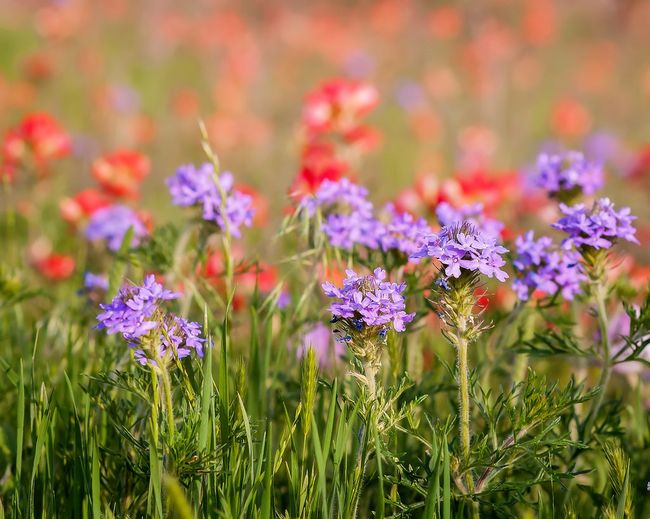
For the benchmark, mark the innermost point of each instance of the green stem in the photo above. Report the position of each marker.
(463, 407)
(371, 375)
(169, 410)
(605, 374)
(154, 406)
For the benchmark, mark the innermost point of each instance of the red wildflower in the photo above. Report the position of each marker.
(319, 163)
(83, 205)
(121, 172)
(37, 139)
(247, 276)
(490, 188)
(338, 105)
(56, 267)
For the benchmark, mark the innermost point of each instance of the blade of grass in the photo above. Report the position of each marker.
(321, 465)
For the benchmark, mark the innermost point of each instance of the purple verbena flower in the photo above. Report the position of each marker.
(597, 227)
(568, 171)
(448, 215)
(369, 301)
(542, 266)
(111, 225)
(130, 311)
(95, 281)
(338, 196)
(220, 202)
(178, 338)
(136, 313)
(403, 232)
(347, 214)
(347, 230)
(462, 247)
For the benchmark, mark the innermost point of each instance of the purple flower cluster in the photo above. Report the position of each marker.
(347, 230)
(403, 232)
(369, 301)
(95, 281)
(449, 215)
(215, 194)
(178, 337)
(131, 309)
(348, 214)
(543, 266)
(136, 311)
(598, 227)
(339, 194)
(349, 219)
(462, 247)
(568, 171)
(111, 225)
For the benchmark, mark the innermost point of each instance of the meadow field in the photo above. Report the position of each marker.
(323, 259)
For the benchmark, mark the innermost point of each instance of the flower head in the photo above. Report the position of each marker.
(130, 311)
(178, 338)
(403, 232)
(339, 196)
(83, 205)
(542, 266)
(319, 162)
(449, 215)
(348, 213)
(112, 223)
(38, 138)
(598, 227)
(56, 267)
(220, 202)
(347, 230)
(121, 172)
(568, 172)
(369, 302)
(95, 281)
(137, 314)
(338, 105)
(462, 247)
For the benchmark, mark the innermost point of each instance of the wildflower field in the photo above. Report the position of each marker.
(277, 260)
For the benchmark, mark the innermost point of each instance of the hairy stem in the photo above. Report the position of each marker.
(605, 373)
(463, 406)
(371, 375)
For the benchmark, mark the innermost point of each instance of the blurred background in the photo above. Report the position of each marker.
(463, 86)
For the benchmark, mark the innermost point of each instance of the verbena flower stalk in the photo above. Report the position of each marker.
(465, 252)
(593, 231)
(368, 307)
(158, 338)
